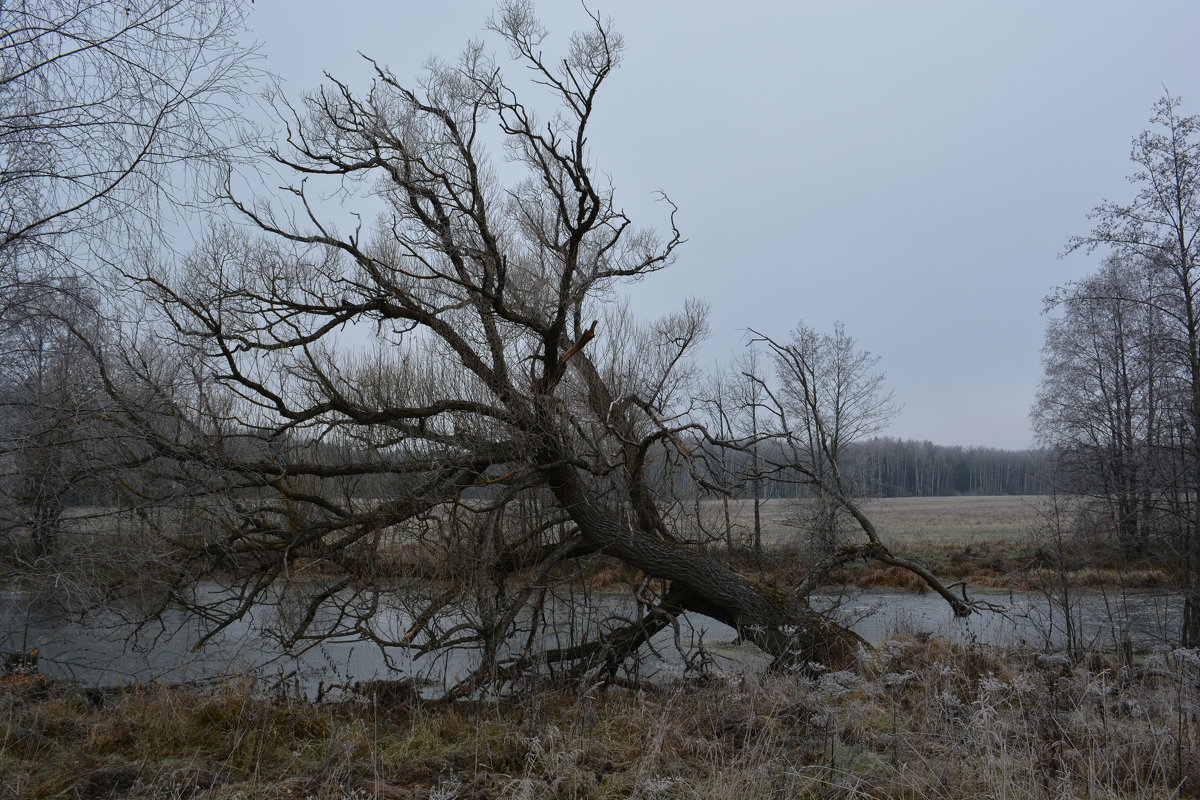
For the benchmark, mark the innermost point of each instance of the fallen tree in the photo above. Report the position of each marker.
(450, 395)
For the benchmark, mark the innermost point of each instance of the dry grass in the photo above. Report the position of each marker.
(905, 521)
(917, 720)
(953, 520)
(992, 541)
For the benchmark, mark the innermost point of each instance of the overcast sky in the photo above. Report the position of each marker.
(912, 169)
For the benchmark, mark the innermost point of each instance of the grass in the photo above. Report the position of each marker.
(990, 541)
(986, 539)
(915, 720)
(906, 521)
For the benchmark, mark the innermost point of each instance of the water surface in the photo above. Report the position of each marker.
(99, 651)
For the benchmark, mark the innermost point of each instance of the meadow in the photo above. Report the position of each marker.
(909, 521)
(996, 541)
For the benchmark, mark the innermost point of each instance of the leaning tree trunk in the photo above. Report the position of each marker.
(778, 622)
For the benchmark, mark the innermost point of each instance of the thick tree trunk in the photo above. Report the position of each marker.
(781, 624)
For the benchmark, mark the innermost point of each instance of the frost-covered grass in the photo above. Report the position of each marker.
(914, 720)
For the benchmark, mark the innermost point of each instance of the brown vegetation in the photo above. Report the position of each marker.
(987, 541)
(917, 719)
(908, 521)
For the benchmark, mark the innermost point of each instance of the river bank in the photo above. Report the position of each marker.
(1002, 542)
(103, 652)
(928, 719)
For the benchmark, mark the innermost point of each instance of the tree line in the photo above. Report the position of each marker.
(890, 467)
(884, 466)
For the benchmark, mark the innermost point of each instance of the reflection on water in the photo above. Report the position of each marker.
(99, 651)
(1099, 619)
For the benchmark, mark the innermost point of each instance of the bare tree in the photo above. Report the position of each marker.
(720, 419)
(47, 393)
(733, 403)
(827, 394)
(1160, 227)
(750, 398)
(1108, 398)
(101, 105)
(112, 116)
(830, 395)
(502, 429)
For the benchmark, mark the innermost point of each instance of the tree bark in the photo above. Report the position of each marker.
(781, 624)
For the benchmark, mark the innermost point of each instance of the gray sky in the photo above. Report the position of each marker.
(912, 169)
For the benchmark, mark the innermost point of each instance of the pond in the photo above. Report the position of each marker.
(100, 652)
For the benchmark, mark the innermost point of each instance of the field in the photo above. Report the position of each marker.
(899, 520)
(992, 541)
(917, 717)
(907, 521)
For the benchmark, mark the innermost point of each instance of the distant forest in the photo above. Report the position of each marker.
(888, 467)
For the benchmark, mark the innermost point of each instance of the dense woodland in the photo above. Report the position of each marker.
(888, 467)
(879, 467)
